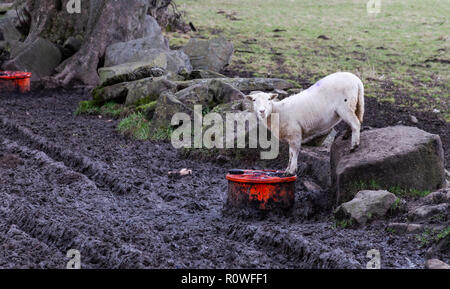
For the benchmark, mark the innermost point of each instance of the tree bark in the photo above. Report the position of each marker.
(101, 23)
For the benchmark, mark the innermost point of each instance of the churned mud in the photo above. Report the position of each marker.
(72, 182)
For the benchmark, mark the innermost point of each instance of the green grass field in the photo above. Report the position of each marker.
(401, 54)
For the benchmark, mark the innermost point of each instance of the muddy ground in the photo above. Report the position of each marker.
(70, 182)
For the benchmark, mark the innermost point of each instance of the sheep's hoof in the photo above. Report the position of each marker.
(347, 134)
(353, 149)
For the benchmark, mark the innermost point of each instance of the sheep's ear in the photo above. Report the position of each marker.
(273, 96)
(250, 97)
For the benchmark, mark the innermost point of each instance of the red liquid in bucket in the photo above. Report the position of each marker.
(12, 81)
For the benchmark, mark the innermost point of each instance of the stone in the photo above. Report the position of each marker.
(73, 44)
(318, 164)
(40, 57)
(202, 74)
(436, 264)
(148, 89)
(214, 54)
(8, 30)
(428, 211)
(133, 92)
(367, 205)
(166, 107)
(415, 228)
(438, 197)
(152, 28)
(400, 156)
(397, 228)
(142, 49)
(106, 74)
(413, 119)
(209, 94)
(311, 186)
(246, 85)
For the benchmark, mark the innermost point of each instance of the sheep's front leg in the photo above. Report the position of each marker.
(294, 148)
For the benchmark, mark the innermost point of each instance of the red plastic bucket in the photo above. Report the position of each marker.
(262, 189)
(12, 81)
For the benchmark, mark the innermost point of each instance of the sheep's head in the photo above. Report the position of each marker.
(262, 103)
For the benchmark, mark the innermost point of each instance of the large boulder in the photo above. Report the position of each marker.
(134, 92)
(367, 205)
(40, 57)
(212, 54)
(392, 157)
(152, 48)
(141, 49)
(246, 85)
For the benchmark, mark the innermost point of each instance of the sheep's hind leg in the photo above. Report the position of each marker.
(352, 120)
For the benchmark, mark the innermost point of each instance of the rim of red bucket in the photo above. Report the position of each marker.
(15, 74)
(259, 177)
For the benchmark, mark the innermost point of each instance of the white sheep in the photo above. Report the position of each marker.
(315, 111)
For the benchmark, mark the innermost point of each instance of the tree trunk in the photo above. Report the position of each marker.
(100, 23)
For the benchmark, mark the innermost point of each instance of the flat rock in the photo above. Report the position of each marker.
(108, 73)
(132, 92)
(428, 211)
(214, 54)
(399, 156)
(366, 205)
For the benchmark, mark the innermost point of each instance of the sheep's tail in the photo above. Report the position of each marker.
(360, 105)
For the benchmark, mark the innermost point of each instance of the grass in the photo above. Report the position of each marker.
(430, 236)
(109, 109)
(396, 190)
(401, 53)
(136, 126)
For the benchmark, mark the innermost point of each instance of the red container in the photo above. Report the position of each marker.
(262, 189)
(12, 81)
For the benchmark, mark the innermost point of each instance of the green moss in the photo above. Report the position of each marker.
(146, 100)
(97, 94)
(136, 126)
(149, 106)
